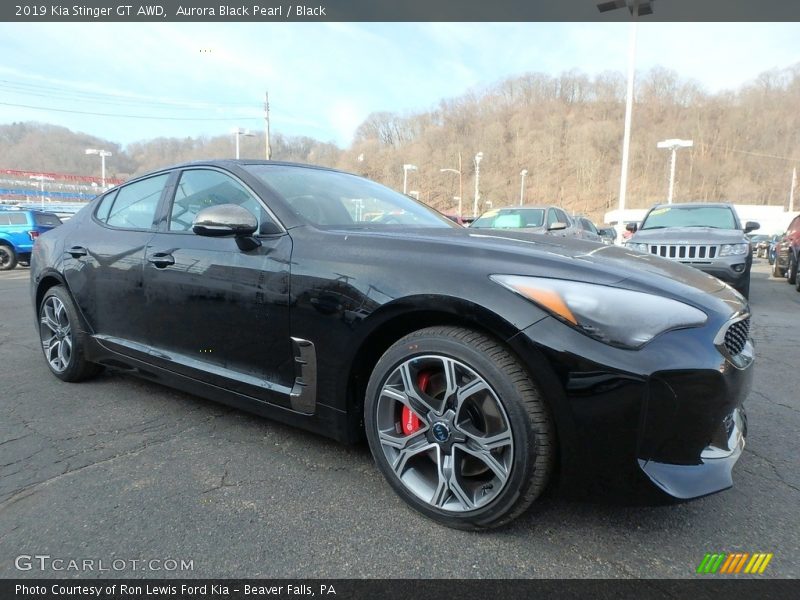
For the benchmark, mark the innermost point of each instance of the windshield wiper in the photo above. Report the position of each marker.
(654, 227)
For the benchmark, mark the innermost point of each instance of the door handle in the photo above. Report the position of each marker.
(77, 251)
(161, 259)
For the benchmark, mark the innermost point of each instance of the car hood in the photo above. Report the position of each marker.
(519, 253)
(689, 235)
(540, 229)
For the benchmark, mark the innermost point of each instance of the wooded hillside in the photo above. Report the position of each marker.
(566, 130)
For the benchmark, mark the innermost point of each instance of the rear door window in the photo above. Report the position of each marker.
(135, 204)
(45, 220)
(17, 218)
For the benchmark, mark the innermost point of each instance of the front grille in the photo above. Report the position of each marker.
(684, 251)
(736, 336)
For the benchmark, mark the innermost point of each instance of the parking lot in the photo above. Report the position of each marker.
(120, 468)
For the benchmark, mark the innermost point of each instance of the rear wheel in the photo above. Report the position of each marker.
(8, 258)
(458, 428)
(63, 337)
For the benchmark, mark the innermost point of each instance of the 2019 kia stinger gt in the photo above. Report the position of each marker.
(482, 365)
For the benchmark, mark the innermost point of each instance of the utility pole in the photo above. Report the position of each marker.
(267, 146)
(791, 190)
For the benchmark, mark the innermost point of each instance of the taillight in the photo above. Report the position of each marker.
(34, 235)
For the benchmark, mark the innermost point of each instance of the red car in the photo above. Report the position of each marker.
(787, 254)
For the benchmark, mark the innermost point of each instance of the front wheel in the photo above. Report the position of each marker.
(776, 270)
(458, 428)
(63, 337)
(792, 276)
(744, 288)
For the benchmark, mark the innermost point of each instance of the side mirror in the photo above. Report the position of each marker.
(751, 226)
(557, 226)
(225, 220)
(632, 227)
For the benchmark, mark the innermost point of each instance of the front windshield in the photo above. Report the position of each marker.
(720, 217)
(334, 199)
(510, 218)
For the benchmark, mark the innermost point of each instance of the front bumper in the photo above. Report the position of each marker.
(726, 272)
(671, 411)
(714, 472)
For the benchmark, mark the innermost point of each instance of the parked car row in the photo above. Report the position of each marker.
(786, 254)
(546, 219)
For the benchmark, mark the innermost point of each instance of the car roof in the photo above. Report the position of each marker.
(695, 205)
(539, 206)
(231, 162)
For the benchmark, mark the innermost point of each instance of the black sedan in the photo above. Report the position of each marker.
(482, 365)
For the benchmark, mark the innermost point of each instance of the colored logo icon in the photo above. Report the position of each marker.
(735, 563)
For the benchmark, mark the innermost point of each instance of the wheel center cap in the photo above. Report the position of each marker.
(441, 432)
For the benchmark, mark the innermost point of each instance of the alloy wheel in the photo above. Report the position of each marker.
(445, 433)
(55, 332)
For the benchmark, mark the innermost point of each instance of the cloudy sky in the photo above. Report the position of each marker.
(190, 79)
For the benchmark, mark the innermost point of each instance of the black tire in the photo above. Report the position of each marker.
(776, 270)
(77, 368)
(8, 258)
(744, 288)
(528, 422)
(792, 276)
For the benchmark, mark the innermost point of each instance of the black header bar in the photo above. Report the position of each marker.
(394, 10)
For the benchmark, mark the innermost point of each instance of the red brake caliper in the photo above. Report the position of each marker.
(411, 422)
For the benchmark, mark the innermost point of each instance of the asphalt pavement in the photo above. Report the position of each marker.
(121, 469)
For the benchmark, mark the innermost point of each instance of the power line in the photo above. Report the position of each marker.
(760, 154)
(60, 91)
(123, 116)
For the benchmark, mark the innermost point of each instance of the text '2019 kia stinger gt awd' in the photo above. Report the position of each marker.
(482, 365)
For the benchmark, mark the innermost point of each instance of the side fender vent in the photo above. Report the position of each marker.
(304, 391)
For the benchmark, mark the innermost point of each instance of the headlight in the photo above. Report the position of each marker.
(734, 249)
(638, 247)
(611, 315)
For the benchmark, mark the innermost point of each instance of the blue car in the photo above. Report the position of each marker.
(18, 231)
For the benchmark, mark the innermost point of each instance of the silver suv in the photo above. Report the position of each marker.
(534, 219)
(704, 235)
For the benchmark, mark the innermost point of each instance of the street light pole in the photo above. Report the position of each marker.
(41, 179)
(458, 172)
(626, 142)
(406, 168)
(522, 175)
(237, 132)
(673, 145)
(637, 8)
(102, 154)
(478, 158)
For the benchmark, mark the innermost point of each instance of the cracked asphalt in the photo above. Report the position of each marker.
(121, 468)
